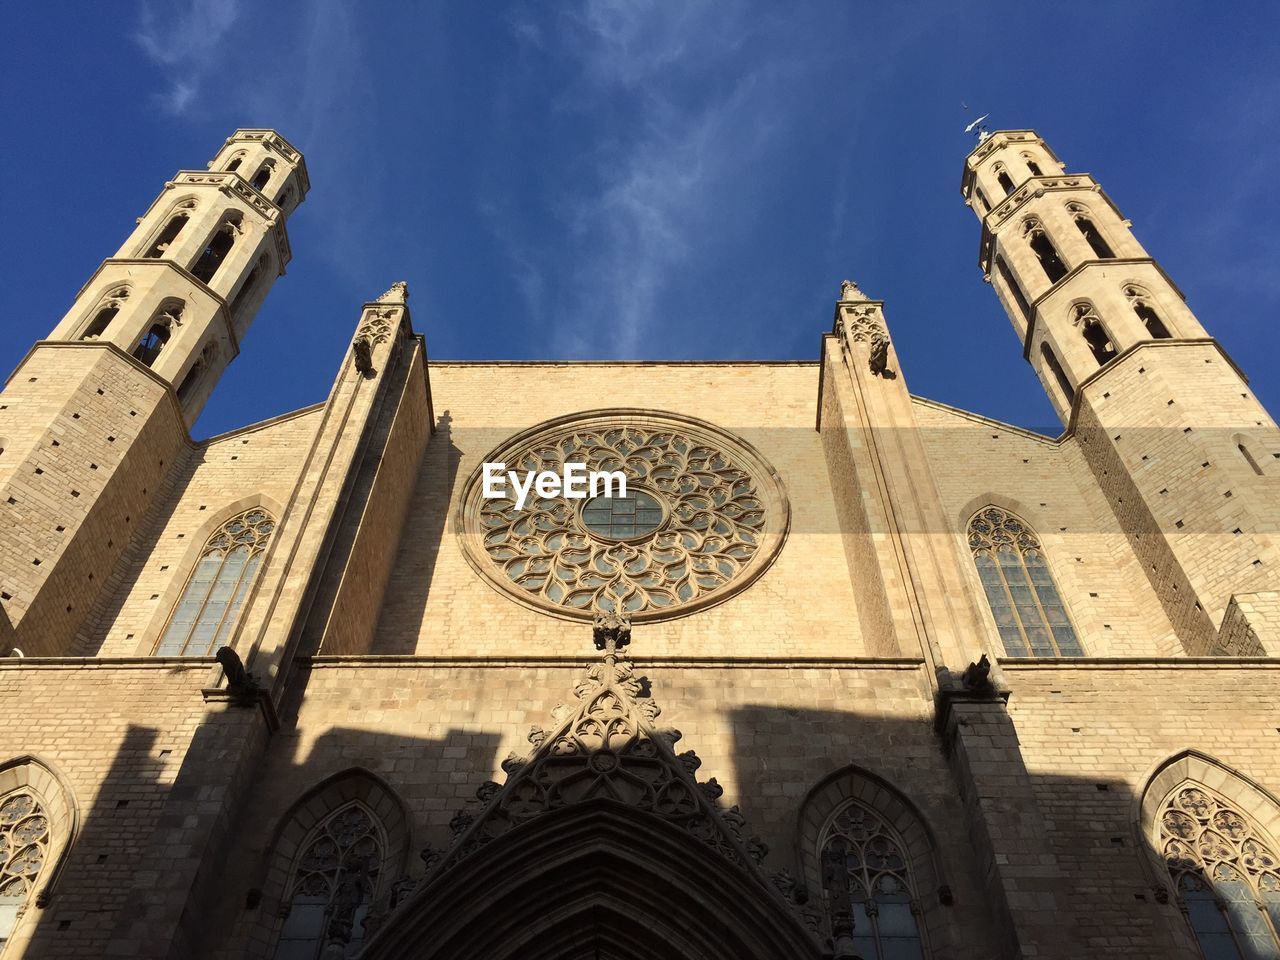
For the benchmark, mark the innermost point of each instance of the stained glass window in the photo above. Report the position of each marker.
(24, 843)
(864, 860)
(1225, 873)
(1025, 603)
(206, 614)
(333, 885)
(621, 518)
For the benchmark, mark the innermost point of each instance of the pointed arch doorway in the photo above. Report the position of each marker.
(596, 881)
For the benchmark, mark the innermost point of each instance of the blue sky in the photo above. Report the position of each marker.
(658, 180)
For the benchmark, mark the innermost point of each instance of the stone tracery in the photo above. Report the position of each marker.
(724, 516)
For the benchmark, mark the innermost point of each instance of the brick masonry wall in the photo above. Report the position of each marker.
(768, 734)
(1092, 735)
(434, 598)
(978, 461)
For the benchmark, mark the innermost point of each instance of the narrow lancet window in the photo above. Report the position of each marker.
(1044, 250)
(169, 234)
(1032, 166)
(1094, 333)
(263, 176)
(1005, 181)
(219, 245)
(106, 313)
(1051, 361)
(1248, 458)
(1029, 613)
(206, 614)
(152, 343)
(1140, 300)
(1101, 249)
(1011, 284)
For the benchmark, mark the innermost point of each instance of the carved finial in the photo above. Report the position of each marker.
(849, 291)
(399, 293)
(611, 626)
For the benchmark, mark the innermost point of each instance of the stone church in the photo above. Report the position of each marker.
(846, 672)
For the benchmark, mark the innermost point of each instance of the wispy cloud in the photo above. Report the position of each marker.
(661, 175)
(183, 38)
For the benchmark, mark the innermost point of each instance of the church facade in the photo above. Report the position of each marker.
(845, 673)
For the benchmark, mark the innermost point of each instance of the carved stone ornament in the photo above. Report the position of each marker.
(362, 355)
(718, 518)
(375, 328)
(399, 293)
(607, 749)
(849, 291)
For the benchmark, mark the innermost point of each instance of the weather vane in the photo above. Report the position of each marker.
(979, 128)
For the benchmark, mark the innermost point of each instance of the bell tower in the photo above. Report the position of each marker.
(1186, 455)
(95, 415)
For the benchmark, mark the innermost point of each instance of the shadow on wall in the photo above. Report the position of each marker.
(225, 857)
(421, 541)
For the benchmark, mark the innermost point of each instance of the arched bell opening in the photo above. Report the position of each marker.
(597, 879)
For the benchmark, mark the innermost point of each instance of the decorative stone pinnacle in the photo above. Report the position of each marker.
(849, 291)
(399, 293)
(611, 632)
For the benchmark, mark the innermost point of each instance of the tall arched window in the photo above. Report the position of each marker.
(1092, 235)
(105, 314)
(206, 615)
(164, 239)
(1141, 301)
(234, 165)
(263, 176)
(1248, 457)
(866, 878)
(334, 883)
(1011, 284)
(1060, 375)
(247, 286)
(152, 343)
(1094, 333)
(1032, 166)
(216, 250)
(1225, 872)
(1003, 178)
(1024, 600)
(24, 851)
(1044, 250)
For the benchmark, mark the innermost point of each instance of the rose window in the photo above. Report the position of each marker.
(703, 515)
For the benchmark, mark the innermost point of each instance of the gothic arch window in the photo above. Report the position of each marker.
(1051, 361)
(153, 342)
(1044, 250)
(263, 176)
(234, 165)
(105, 314)
(867, 883)
(1141, 301)
(983, 203)
(25, 840)
(1003, 178)
(38, 824)
(1032, 166)
(247, 286)
(1225, 873)
(206, 614)
(1084, 223)
(335, 881)
(285, 200)
(165, 238)
(219, 245)
(1011, 284)
(1020, 589)
(1095, 334)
